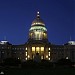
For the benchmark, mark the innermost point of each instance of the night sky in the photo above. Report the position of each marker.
(16, 17)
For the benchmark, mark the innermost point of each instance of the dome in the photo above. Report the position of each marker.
(71, 42)
(38, 21)
(38, 30)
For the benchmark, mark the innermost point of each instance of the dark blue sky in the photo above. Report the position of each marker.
(16, 17)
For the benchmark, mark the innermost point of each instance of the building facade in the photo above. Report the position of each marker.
(37, 45)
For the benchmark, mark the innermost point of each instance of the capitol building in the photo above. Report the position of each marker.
(37, 45)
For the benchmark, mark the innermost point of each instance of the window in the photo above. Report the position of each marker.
(33, 49)
(26, 48)
(49, 58)
(46, 56)
(28, 56)
(26, 53)
(41, 57)
(42, 49)
(49, 48)
(49, 53)
(66, 57)
(18, 58)
(37, 49)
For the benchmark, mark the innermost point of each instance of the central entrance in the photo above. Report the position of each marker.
(39, 51)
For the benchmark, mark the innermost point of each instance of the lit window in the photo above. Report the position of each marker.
(49, 58)
(46, 56)
(49, 49)
(18, 58)
(28, 56)
(26, 53)
(66, 57)
(37, 49)
(41, 57)
(33, 49)
(49, 54)
(42, 48)
(26, 48)
(44, 34)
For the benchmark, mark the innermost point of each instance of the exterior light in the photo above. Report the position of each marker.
(26, 48)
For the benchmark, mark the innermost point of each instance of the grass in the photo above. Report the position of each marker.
(53, 71)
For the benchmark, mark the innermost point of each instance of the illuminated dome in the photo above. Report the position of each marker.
(38, 30)
(71, 42)
(38, 21)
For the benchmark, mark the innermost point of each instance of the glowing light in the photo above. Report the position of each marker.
(26, 53)
(49, 49)
(2, 73)
(33, 49)
(49, 54)
(71, 42)
(66, 57)
(38, 28)
(36, 32)
(38, 12)
(18, 58)
(37, 49)
(39, 23)
(28, 56)
(26, 48)
(49, 58)
(46, 56)
(42, 48)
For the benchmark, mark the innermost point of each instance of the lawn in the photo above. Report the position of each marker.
(53, 71)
